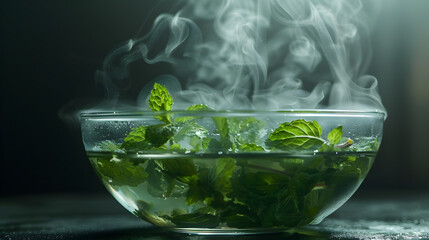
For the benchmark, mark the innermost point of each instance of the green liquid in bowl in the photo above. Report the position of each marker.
(234, 192)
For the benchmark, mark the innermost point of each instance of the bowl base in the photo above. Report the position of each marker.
(232, 231)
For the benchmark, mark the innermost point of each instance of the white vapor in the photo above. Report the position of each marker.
(257, 54)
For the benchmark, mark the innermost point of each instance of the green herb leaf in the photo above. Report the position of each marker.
(109, 146)
(250, 147)
(335, 135)
(223, 129)
(246, 130)
(241, 221)
(136, 140)
(197, 220)
(197, 107)
(178, 167)
(191, 129)
(158, 135)
(212, 184)
(160, 100)
(161, 184)
(220, 175)
(121, 172)
(222, 126)
(298, 134)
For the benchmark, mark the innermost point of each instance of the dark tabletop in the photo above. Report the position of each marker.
(374, 215)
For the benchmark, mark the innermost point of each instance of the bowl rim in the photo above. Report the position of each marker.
(236, 113)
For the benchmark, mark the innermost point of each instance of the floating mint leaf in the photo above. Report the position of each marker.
(190, 129)
(335, 135)
(160, 100)
(246, 130)
(250, 147)
(196, 107)
(221, 124)
(298, 134)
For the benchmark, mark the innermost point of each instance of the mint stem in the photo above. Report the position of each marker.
(346, 144)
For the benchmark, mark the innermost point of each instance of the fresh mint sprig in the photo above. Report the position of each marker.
(161, 100)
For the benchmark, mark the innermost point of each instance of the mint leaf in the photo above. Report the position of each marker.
(178, 167)
(335, 135)
(136, 140)
(220, 175)
(162, 185)
(221, 124)
(241, 221)
(148, 137)
(197, 220)
(121, 172)
(292, 165)
(250, 147)
(160, 100)
(197, 107)
(246, 130)
(298, 134)
(109, 146)
(158, 135)
(212, 185)
(193, 135)
(239, 216)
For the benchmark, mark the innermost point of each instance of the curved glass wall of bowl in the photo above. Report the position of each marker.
(232, 172)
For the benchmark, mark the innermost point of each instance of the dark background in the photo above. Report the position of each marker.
(51, 50)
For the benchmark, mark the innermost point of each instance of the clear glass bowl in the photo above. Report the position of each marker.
(210, 172)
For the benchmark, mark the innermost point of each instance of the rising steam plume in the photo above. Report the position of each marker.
(256, 54)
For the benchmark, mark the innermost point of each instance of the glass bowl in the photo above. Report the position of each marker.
(241, 172)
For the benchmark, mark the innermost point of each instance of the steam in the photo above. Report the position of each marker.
(250, 54)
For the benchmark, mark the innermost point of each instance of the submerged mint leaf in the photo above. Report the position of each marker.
(109, 146)
(181, 167)
(335, 135)
(198, 220)
(158, 135)
(241, 221)
(121, 172)
(136, 140)
(298, 134)
(239, 216)
(212, 184)
(161, 100)
(220, 175)
(162, 185)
